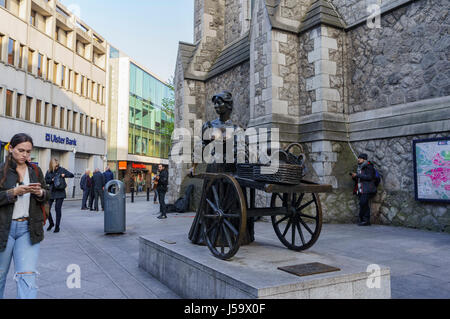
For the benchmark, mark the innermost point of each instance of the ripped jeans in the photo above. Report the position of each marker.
(25, 261)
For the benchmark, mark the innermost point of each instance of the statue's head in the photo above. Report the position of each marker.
(223, 102)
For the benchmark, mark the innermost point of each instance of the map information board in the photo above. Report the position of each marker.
(432, 169)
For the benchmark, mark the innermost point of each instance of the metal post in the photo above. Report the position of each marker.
(132, 194)
(148, 194)
(73, 192)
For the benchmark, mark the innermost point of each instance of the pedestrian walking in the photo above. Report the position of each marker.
(364, 187)
(98, 184)
(109, 176)
(85, 185)
(23, 193)
(163, 181)
(56, 178)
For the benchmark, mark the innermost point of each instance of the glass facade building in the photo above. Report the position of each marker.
(149, 133)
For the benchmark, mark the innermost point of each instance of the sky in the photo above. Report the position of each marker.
(146, 30)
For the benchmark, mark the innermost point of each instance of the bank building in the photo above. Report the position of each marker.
(53, 84)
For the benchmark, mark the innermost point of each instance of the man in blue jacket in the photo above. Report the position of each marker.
(98, 184)
(85, 185)
(109, 176)
(364, 187)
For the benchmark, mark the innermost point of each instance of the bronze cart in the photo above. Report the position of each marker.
(228, 200)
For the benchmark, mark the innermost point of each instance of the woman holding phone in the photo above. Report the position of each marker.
(57, 190)
(22, 194)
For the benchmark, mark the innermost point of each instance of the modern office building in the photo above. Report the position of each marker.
(139, 130)
(53, 84)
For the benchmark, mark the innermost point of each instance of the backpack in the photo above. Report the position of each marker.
(377, 176)
(59, 183)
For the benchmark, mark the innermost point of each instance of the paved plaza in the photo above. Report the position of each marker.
(109, 269)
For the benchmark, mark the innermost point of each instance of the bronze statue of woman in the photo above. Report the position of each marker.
(223, 105)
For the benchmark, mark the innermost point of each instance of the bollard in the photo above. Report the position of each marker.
(73, 192)
(148, 194)
(132, 194)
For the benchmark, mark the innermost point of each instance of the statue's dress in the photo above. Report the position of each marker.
(196, 231)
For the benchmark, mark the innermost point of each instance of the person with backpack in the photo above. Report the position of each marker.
(365, 187)
(23, 195)
(56, 178)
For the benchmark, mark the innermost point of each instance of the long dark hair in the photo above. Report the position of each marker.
(16, 140)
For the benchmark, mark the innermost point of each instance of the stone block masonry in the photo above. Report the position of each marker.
(319, 74)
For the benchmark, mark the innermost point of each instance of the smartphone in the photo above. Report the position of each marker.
(35, 184)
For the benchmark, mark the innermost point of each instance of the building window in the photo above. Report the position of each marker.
(99, 89)
(40, 61)
(69, 112)
(55, 72)
(54, 110)
(75, 83)
(92, 90)
(92, 126)
(11, 51)
(61, 11)
(1, 45)
(47, 106)
(81, 48)
(74, 121)
(13, 6)
(81, 128)
(63, 76)
(21, 52)
(61, 118)
(18, 105)
(98, 129)
(82, 86)
(30, 60)
(3, 3)
(38, 111)
(69, 80)
(86, 127)
(9, 102)
(48, 70)
(33, 18)
(28, 108)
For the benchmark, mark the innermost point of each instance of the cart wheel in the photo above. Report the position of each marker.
(300, 227)
(224, 216)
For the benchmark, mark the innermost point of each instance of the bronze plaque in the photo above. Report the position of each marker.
(308, 269)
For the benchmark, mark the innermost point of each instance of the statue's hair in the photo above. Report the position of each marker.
(225, 96)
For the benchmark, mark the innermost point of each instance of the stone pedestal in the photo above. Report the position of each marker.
(192, 272)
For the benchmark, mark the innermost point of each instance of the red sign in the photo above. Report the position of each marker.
(139, 166)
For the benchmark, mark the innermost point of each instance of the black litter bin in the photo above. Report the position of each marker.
(115, 201)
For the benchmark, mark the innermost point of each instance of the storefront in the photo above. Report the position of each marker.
(137, 175)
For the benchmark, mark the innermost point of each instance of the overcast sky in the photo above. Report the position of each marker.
(146, 30)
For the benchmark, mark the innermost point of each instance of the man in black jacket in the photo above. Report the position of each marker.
(98, 181)
(364, 187)
(85, 185)
(163, 181)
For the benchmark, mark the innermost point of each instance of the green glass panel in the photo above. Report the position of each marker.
(139, 82)
(138, 117)
(131, 116)
(132, 79)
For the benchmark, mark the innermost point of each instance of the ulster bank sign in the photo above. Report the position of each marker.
(60, 139)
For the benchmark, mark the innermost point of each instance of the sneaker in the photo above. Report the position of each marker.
(161, 216)
(364, 224)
